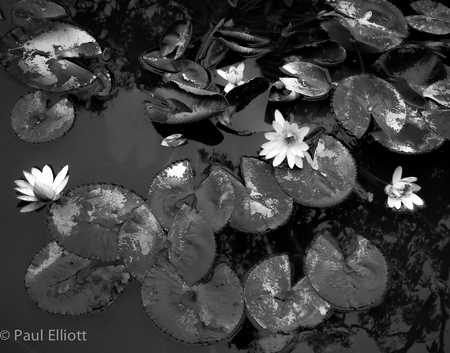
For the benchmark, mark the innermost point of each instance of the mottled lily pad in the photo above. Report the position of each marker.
(86, 220)
(359, 97)
(154, 61)
(356, 282)
(438, 121)
(326, 53)
(176, 38)
(330, 184)
(25, 10)
(261, 204)
(200, 314)
(189, 73)
(439, 92)
(278, 306)
(37, 54)
(174, 140)
(414, 138)
(33, 121)
(434, 18)
(142, 242)
(61, 282)
(310, 80)
(174, 186)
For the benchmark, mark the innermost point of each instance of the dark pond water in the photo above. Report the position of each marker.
(113, 141)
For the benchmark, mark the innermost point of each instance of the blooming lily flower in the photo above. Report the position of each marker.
(40, 187)
(401, 191)
(286, 141)
(234, 76)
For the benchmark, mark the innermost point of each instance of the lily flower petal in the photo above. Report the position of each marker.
(401, 192)
(32, 207)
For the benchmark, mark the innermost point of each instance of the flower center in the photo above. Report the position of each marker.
(289, 139)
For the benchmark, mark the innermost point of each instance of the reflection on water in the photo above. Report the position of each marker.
(113, 141)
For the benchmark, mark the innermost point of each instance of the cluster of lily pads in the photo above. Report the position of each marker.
(105, 234)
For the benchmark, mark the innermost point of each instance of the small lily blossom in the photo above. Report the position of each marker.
(401, 191)
(234, 76)
(287, 142)
(41, 187)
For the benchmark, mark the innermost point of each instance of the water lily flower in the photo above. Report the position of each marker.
(41, 188)
(287, 142)
(234, 76)
(401, 191)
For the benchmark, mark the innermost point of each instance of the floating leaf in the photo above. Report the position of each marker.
(261, 205)
(435, 17)
(439, 121)
(174, 140)
(189, 73)
(275, 304)
(86, 220)
(431, 8)
(311, 80)
(37, 54)
(172, 105)
(356, 282)
(25, 10)
(61, 282)
(176, 38)
(440, 92)
(199, 314)
(244, 50)
(33, 121)
(326, 53)
(359, 97)
(155, 62)
(330, 184)
(174, 186)
(415, 136)
(105, 78)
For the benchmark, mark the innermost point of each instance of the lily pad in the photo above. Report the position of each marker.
(33, 121)
(172, 105)
(176, 38)
(310, 80)
(438, 121)
(201, 314)
(174, 186)
(142, 242)
(278, 306)
(434, 18)
(37, 54)
(86, 220)
(326, 53)
(414, 138)
(439, 92)
(189, 73)
(261, 204)
(174, 140)
(154, 61)
(330, 184)
(25, 10)
(357, 282)
(359, 97)
(61, 282)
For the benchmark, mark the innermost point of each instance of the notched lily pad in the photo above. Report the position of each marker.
(439, 92)
(33, 121)
(330, 184)
(438, 121)
(86, 220)
(61, 282)
(434, 18)
(359, 97)
(155, 62)
(278, 306)
(189, 73)
(261, 204)
(176, 38)
(200, 314)
(357, 282)
(326, 53)
(25, 10)
(37, 53)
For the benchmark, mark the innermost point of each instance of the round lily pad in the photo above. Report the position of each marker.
(275, 304)
(86, 220)
(439, 92)
(356, 282)
(438, 121)
(61, 282)
(173, 187)
(261, 204)
(359, 97)
(330, 184)
(175, 39)
(33, 121)
(200, 314)
(25, 10)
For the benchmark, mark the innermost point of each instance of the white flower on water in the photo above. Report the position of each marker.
(401, 191)
(234, 76)
(287, 142)
(41, 187)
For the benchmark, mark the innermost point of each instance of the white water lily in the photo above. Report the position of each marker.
(287, 142)
(41, 188)
(234, 76)
(401, 191)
